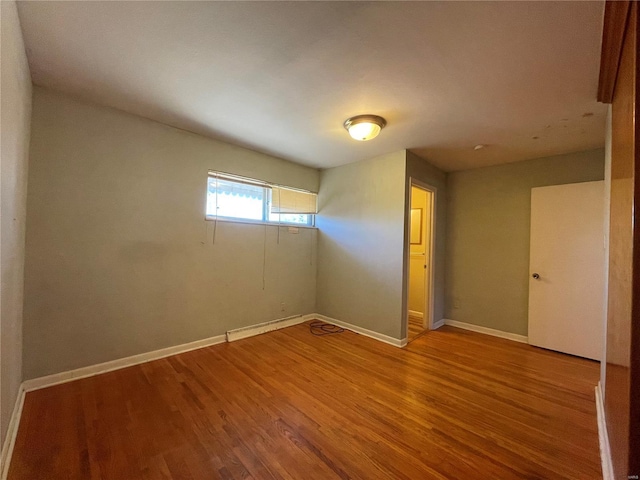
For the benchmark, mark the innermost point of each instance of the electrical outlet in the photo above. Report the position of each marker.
(283, 307)
(456, 302)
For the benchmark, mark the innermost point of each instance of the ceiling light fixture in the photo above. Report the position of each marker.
(364, 127)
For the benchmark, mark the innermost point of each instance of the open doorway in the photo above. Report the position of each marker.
(420, 272)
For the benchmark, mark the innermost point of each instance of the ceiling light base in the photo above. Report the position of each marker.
(364, 127)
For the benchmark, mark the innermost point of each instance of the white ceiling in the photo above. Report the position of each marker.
(281, 77)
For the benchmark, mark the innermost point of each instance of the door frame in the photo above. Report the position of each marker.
(427, 319)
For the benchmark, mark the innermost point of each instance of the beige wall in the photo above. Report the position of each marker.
(421, 170)
(16, 115)
(361, 243)
(488, 235)
(119, 258)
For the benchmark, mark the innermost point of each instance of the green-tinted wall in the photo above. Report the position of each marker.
(119, 257)
(361, 219)
(487, 251)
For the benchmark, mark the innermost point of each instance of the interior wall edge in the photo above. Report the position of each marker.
(603, 436)
(12, 433)
(38, 383)
(363, 331)
(361, 243)
(607, 217)
(16, 113)
(421, 170)
(487, 331)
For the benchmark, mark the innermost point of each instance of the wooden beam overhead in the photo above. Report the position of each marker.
(616, 13)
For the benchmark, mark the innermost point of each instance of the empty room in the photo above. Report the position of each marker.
(319, 240)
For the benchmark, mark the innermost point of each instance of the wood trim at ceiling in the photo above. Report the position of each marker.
(616, 13)
(634, 354)
(622, 404)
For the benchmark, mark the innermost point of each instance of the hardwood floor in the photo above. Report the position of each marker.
(416, 328)
(289, 405)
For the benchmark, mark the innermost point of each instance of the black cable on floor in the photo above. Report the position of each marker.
(320, 328)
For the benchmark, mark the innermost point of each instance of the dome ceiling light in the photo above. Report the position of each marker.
(364, 127)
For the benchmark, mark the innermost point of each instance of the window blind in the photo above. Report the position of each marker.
(238, 179)
(286, 200)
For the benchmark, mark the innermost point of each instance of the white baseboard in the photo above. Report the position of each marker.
(90, 371)
(12, 433)
(487, 331)
(232, 335)
(416, 314)
(362, 331)
(438, 324)
(84, 372)
(605, 449)
(245, 332)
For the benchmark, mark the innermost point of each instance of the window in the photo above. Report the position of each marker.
(238, 198)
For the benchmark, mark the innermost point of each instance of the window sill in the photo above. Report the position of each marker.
(258, 222)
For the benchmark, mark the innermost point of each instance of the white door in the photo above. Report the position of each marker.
(566, 268)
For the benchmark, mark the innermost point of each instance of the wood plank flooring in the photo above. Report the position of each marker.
(289, 405)
(416, 328)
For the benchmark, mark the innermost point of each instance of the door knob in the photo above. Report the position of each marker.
(536, 276)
